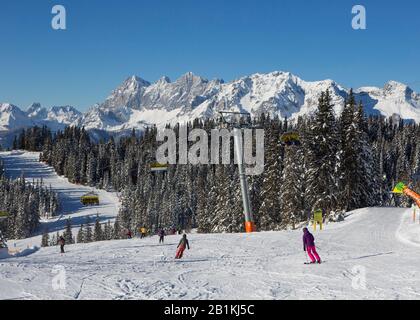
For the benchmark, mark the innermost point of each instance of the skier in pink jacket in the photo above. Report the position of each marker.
(309, 246)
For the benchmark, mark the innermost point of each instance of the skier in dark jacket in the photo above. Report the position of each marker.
(62, 243)
(309, 246)
(181, 247)
(161, 236)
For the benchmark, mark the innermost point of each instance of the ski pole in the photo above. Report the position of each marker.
(306, 256)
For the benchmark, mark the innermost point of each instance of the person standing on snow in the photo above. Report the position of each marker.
(142, 232)
(161, 235)
(181, 247)
(62, 243)
(309, 246)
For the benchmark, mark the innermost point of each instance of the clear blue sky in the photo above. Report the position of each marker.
(109, 40)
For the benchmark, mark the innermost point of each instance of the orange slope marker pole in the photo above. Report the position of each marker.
(415, 196)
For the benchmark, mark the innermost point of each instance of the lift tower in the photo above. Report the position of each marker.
(239, 121)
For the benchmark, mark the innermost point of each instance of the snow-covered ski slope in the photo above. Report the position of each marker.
(374, 254)
(377, 242)
(17, 163)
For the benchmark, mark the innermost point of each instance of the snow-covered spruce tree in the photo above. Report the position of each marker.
(97, 233)
(81, 234)
(321, 149)
(68, 234)
(91, 169)
(53, 240)
(255, 183)
(88, 231)
(116, 232)
(228, 215)
(416, 162)
(42, 203)
(175, 199)
(125, 215)
(32, 139)
(21, 226)
(378, 150)
(45, 242)
(292, 196)
(138, 208)
(236, 207)
(205, 200)
(367, 179)
(165, 207)
(347, 164)
(24, 203)
(269, 212)
(107, 234)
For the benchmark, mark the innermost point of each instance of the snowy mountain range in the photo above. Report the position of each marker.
(12, 118)
(137, 103)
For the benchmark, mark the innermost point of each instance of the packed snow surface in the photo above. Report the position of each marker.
(373, 254)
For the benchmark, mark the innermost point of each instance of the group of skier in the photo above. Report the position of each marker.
(183, 243)
(308, 243)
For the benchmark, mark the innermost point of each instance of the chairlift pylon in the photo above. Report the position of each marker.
(243, 121)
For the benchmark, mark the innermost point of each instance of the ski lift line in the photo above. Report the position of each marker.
(235, 113)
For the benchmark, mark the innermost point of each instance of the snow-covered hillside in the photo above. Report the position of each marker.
(27, 163)
(372, 254)
(232, 266)
(137, 103)
(12, 118)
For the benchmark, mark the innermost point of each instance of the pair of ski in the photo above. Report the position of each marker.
(310, 263)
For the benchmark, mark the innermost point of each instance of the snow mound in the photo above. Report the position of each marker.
(5, 254)
(409, 230)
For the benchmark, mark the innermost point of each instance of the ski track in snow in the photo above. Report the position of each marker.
(267, 265)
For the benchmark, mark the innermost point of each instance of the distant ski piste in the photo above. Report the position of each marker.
(18, 163)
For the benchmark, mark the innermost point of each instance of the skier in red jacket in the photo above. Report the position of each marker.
(181, 247)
